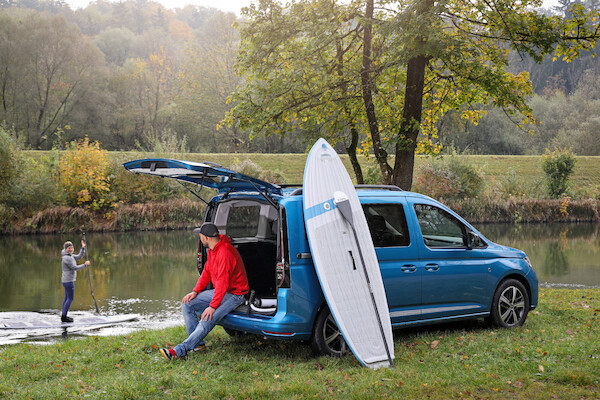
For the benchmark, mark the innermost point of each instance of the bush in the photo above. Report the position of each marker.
(35, 187)
(83, 176)
(252, 169)
(131, 188)
(558, 166)
(511, 184)
(448, 178)
(8, 164)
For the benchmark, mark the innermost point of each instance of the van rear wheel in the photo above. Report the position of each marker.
(327, 338)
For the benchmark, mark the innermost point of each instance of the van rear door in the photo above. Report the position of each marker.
(204, 174)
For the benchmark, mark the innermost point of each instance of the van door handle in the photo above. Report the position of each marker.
(408, 268)
(432, 267)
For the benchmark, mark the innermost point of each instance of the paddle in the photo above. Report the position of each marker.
(343, 204)
(89, 273)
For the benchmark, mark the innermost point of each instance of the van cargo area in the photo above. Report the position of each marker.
(253, 227)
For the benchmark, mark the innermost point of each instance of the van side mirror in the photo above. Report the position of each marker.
(473, 240)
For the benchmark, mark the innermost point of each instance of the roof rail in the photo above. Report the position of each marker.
(392, 188)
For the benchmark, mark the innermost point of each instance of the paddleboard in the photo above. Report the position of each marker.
(37, 321)
(344, 257)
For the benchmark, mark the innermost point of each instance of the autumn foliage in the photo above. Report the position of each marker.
(83, 175)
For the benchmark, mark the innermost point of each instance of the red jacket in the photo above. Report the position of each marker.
(225, 269)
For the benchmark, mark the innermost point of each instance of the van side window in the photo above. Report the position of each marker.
(439, 228)
(387, 224)
(242, 221)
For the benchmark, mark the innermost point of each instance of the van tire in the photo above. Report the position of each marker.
(234, 332)
(327, 339)
(510, 305)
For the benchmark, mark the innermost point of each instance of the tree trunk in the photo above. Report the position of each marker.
(406, 143)
(367, 89)
(351, 148)
(411, 120)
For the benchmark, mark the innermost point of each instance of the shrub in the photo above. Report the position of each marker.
(250, 168)
(8, 164)
(558, 166)
(511, 184)
(35, 188)
(131, 188)
(83, 176)
(448, 178)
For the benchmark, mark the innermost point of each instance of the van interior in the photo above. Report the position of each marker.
(253, 227)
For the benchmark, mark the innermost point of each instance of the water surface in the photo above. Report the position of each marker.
(148, 273)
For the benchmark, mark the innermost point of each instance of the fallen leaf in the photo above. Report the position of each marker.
(318, 366)
(435, 344)
(541, 368)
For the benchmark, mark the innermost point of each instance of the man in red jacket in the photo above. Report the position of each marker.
(225, 269)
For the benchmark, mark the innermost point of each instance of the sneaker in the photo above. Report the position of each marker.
(169, 354)
(200, 347)
(64, 318)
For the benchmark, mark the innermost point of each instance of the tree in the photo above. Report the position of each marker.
(47, 70)
(302, 67)
(419, 60)
(204, 84)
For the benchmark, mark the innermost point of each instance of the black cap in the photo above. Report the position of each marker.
(208, 229)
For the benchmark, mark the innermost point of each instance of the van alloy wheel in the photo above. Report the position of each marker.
(510, 305)
(327, 338)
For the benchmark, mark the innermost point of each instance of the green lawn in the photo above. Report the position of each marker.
(555, 355)
(528, 168)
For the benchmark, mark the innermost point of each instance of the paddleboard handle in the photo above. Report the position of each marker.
(343, 204)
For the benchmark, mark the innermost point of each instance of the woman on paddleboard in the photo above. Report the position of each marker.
(69, 275)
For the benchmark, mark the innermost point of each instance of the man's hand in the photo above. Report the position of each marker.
(82, 243)
(207, 314)
(87, 263)
(188, 297)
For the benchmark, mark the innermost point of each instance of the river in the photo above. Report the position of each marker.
(147, 273)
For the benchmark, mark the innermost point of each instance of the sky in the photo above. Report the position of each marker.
(224, 5)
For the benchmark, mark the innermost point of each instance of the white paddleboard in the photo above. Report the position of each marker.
(345, 259)
(39, 321)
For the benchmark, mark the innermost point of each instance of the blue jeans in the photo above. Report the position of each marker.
(196, 329)
(69, 293)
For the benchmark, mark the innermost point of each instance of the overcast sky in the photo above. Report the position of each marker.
(224, 5)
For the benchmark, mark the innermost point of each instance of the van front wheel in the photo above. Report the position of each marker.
(510, 305)
(327, 339)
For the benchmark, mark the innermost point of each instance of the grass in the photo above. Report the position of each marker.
(528, 168)
(555, 355)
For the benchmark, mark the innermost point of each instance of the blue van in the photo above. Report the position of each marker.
(435, 266)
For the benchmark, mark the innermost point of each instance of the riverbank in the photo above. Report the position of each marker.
(188, 213)
(555, 355)
(514, 193)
